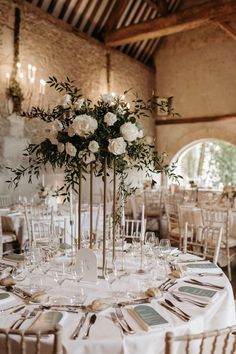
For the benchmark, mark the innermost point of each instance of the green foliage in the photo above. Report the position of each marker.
(138, 153)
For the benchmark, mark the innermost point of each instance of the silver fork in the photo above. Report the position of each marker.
(118, 324)
(21, 319)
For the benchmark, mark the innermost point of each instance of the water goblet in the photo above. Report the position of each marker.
(164, 248)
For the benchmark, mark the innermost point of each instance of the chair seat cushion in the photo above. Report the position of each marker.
(232, 242)
(8, 237)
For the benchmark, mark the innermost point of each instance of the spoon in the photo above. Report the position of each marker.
(91, 322)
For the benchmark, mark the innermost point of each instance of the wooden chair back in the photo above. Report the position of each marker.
(222, 341)
(13, 339)
(202, 241)
(220, 218)
(174, 230)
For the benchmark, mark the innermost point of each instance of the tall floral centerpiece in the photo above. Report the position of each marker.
(96, 139)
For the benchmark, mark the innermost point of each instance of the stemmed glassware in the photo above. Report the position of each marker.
(164, 248)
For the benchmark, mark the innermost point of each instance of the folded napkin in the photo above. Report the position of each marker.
(198, 293)
(199, 267)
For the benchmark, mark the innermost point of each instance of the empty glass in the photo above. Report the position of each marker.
(164, 247)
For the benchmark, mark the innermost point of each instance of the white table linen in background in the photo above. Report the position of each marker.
(106, 338)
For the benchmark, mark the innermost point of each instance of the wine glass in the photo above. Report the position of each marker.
(78, 270)
(150, 239)
(164, 248)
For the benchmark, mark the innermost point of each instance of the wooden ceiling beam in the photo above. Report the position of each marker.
(52, 6)
(117, 11)
(64, 9)
(227, 29)
(182, 21)
(162, 7)
(152, 4)
(74, 11)
(192, 120)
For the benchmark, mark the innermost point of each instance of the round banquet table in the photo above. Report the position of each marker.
(105, 337)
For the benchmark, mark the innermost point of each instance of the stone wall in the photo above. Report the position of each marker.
(198, 68)
(54, 49)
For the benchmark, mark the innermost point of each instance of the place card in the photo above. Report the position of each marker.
(191, 290)
(46, 321)
(87, 255)
(149, 315)
(14, 257)
(201, 265)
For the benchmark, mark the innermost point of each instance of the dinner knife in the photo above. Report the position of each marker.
(182, 317)
(80, 325)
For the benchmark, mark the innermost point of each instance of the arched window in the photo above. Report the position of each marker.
(209, 163)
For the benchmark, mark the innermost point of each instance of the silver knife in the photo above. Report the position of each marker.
(182, 317)
(80, 325)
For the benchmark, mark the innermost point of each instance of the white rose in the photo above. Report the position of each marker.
(67, 100)
(70, 149)
(110, 118)
(140, 134)
(79, 103)
(107, 98)
(84, 125)
(57, 125)
(60, 147)
(117, 146)
(129, 131)
(89, 158)
(93, 146)
(71, 131)
(53, 137)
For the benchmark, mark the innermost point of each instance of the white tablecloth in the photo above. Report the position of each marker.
(106, 338)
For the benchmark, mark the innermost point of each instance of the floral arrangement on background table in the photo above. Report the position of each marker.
(228, 195)
(80, 133)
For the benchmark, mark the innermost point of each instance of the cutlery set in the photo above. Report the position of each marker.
(208, 285)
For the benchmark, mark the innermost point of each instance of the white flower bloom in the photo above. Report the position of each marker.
(57, 125)
(67, 101)
(117, 146)
(140, 134)
(110, 118)
(79, 103)
(71, 131)
(71, 149)
(84, 125)
(53, 137)
(93, 146)
(89, 158)
(129, 131)
(60, 147)
(107, 98)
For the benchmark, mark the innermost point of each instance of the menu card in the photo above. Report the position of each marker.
(149, 315)
(46, 321)
(201, 265)
(192, 290)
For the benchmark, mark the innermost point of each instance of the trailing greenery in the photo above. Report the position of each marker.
(81, 133)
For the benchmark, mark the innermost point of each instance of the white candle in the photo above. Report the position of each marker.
(142, 224)
(33, 72)
(29, 71)
(8, 79)
(123, 215)
(43, 180)
(71, 204)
